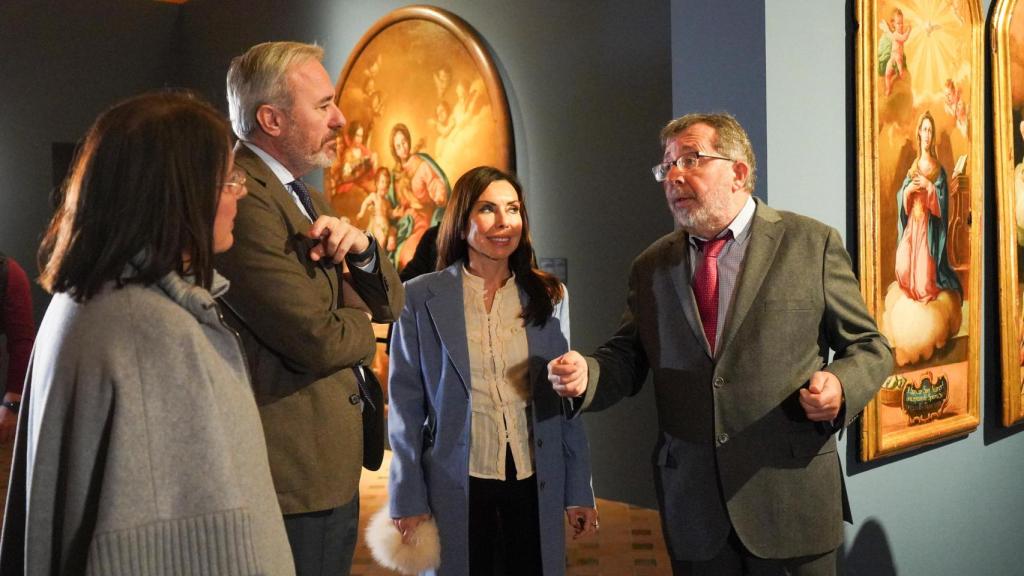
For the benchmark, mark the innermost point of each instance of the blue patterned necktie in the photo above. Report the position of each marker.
(298, 187)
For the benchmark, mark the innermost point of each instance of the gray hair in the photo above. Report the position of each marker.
(730, 138)
(258, 77)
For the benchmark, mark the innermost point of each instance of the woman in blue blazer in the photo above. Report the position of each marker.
(479, 438)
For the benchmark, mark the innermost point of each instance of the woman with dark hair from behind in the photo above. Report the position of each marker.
(479, 438)
(144, 452)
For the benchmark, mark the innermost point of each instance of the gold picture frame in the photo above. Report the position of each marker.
(424, 103)
(1008, 119)
(920, 135)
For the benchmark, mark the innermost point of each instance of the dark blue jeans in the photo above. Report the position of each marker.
(324, 542)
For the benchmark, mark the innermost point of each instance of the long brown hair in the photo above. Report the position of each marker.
(146, 182)
(543, 290)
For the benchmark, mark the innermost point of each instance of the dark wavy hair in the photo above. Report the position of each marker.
(146, 181)
(543, 290)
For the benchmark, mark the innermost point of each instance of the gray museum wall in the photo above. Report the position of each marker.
(590, 84)
(61, 64)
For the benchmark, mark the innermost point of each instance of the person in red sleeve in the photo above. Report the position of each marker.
(17, 326)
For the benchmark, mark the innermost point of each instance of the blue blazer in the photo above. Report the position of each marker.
(429, 422)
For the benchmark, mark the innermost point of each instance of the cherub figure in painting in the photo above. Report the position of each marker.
(442, 80)
(923, 306)
(443, 121)
(379, 208)
(954, 104)
(376, 106)
(420, 192)
(357, 162)
(373, 68)
(466, 100)
(461, 128)
(892, 60)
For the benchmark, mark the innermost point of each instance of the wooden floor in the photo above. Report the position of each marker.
(628, 543)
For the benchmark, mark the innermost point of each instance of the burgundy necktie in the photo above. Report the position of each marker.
(705, 285)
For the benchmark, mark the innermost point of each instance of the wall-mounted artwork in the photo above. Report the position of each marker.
(1008, 112)
(424, 103)
(920, 74)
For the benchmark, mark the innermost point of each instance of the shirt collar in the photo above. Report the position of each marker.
(740, 225)
(276, 167)
(477, 283)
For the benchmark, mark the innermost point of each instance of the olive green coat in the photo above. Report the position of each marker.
(301, 344)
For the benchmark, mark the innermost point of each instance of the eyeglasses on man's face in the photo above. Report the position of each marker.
(687, 161)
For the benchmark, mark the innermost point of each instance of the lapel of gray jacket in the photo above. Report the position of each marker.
(765, 236)
(447, 311)
(682, 278)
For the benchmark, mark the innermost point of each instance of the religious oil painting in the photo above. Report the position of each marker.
(1008, 124)
(424, 103)
(920, 74)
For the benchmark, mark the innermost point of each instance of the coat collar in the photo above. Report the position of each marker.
(765, 235)
(254, 166)
(197, 300)
(275, 190)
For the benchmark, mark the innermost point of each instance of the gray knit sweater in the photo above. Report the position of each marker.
(145, 449)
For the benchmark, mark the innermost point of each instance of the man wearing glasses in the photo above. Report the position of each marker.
(735, 313)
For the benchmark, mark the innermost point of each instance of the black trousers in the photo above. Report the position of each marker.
(735, 560)
(504, 525)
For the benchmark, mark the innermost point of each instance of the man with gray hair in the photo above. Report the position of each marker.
(306, 348)
(735, 313)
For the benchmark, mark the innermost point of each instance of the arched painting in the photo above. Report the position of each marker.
(920, 70)
(1008, 113)
(424, 103)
